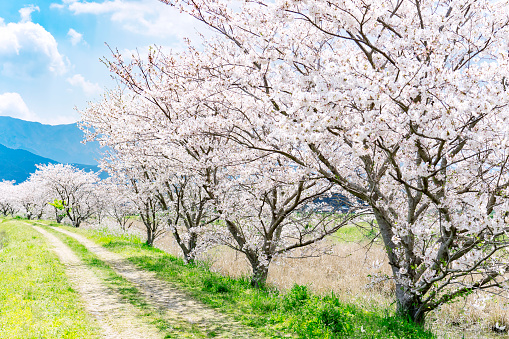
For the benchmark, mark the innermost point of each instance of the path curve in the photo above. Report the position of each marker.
(177, 305)
(117, 319)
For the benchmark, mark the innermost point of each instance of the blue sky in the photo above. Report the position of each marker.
(50, 50)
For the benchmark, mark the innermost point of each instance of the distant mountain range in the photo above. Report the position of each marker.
(24, 144)
(18, 164)
(61, 143)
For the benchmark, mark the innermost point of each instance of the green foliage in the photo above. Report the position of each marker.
(296, 297)
(36, 299)
(59, 205)
(216, 284)
(272, 312)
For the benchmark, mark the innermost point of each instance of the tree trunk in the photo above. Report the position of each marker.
(259, 277)
(408, 303)
(58, 216)
(260, 272)
(150, 236)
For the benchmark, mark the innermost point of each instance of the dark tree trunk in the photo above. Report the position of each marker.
(259, 277)
(187, 249)
(58, 216)
(150, 236)
(76, 221)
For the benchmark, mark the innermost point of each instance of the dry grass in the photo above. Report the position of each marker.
(349, 271)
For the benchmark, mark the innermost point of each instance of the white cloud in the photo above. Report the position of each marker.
(146, 17)
(89, 88)
(12, 104)
(57, 6)
(26, 36)
(26, 13)
(75, 37)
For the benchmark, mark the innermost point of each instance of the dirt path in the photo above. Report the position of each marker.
(176, 305)
(117, 319)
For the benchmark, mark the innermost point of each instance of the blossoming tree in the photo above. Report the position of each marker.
(257, 195)
(32, 198)
(8, 198)
(402, 104)
(74, 187)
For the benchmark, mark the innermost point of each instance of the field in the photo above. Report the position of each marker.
(340, 295)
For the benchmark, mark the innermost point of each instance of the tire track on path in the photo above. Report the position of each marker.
(117, 319)
(177, 305)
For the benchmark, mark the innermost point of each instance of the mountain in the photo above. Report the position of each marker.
(18, 164)
(62, 143)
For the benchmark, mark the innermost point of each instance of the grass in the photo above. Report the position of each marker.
(129, 293)
(354, 233)
(36, 299)
(297, 311)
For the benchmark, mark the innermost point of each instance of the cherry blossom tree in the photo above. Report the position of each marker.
(260, 209)
(189, 210)
(144, 198)
(32, 198)
(74, 187)
(269, 213)
(103, 200)
(133, 180)
(402, 104)
(120, 207)
(151, 166)
(8, 203)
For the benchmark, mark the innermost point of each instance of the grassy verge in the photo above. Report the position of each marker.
(36, 299)
(129, 293)
(298, 311)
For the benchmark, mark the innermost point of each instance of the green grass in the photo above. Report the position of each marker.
(274, 313)
(352, 233)
(129, 293)
(36, 299)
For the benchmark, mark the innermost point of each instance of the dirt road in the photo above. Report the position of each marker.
(117, 319)
(175, 306)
